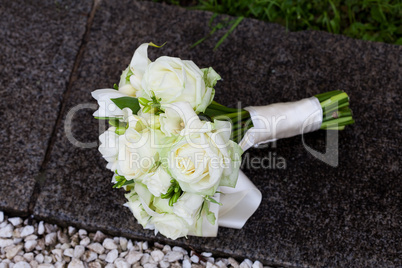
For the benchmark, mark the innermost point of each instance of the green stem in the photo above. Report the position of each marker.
(336, 111)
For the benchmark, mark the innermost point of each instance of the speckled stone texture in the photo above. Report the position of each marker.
(311, 214)
(39, 42)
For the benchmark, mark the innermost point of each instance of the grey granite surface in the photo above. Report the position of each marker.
(39, 42)
(311, 214)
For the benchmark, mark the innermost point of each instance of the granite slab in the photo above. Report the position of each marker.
(39, 43)
(311, 214)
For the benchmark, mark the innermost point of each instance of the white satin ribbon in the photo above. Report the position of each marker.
(238, 204)
(271, 122)
(282, 120)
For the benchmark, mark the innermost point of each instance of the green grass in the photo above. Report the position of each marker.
(374, 20)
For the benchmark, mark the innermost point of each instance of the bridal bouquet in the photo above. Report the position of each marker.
(177, 153)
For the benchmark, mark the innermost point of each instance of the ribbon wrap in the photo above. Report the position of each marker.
(271, 122)
(282, 120)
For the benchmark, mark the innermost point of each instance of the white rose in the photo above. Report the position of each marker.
(134, 204)
(170, 225)
(136, 153)
(188, 206)
(157, 182)
(109, 147)
(180, 118)
(204, 157)
(174, 80)
(107, 108)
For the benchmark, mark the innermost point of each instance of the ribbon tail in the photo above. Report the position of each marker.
(239, 203)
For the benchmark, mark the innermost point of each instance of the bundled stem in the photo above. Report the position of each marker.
(334, 104)
(335, 110)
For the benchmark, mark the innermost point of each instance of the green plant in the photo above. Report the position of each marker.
(375, 20)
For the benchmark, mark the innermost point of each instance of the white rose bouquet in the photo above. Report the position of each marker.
(177, 153)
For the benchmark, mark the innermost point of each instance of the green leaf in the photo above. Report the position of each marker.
(115, 86)
(153, 45)
(377, 14)
(116, 122)
(127, 102)
(129, 74)
(210, 199)
(104, 118)
(211, 217)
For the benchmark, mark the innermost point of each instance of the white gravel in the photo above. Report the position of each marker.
(29, 244)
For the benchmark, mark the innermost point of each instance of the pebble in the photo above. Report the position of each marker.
(6, 242)
(233, 262)
(173, 256)
(133, 256)
(39, 258)
(99, 237)
(145, 258)
(71, 230)
(211, 265)
(49, 228)
(164, 264)
(257, 264)
(89, 256)
(206, 254)
(18, 258)
(82, 233)
(157, 255)
(31, 237)
(180, 249)
(45, 265)
(123, 243)
(166, 248)
(7, 231)
(246, 264)
(109, 244)
(15, 221)
(22, 264)
(186, 264)
(28, 256)
(41, 244)
(220, 264)
(34, 263)
(85, 242)
(144, 245)
(96, 247)
(41, 228)
(62, 237)
(60, 264)
(30, 244)
(94, 264)
(195, 259)
(50, 239)
(69, 252)
(130, 244)
(58, 254)
(121, 263)
(78, 251)
(47, 259)
(75, 263)
(150, 265)
(112, 256)
(28, 230)
(11, 251)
